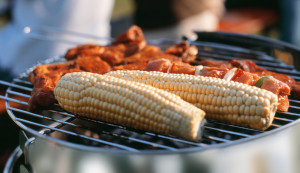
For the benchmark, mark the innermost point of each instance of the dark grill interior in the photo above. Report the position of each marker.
(57, 123)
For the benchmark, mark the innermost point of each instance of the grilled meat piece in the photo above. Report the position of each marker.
(296, 89)
(181, 53)
(184, 50)
(128, 51)
(133, 39)
(139, 60)
(89, 57)
(112, 55)
(248, 66)
(125, 45)
(44, 77)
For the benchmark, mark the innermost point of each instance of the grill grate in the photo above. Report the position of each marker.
(68, 128)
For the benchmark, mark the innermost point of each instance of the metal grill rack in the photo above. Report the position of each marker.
(57, 125)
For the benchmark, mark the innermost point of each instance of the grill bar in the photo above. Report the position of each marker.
(239, 128)
(176, 139)
(87, 128)
(22, 81)
(235, 52)
(214, 138)
(84, 127)
(17, 93)
(289, 113)
(76, 134)
(283, 119)
(15, 86)
(13, 100)
(147, 133)
(41, 116)
(228, 132)
(294, 107)
(295, 101)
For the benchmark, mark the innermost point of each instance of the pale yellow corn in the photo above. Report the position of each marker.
(129, 104)
(227, 101)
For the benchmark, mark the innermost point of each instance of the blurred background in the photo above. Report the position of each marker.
(33, 30)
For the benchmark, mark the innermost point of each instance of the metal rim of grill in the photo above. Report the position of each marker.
(125, 140)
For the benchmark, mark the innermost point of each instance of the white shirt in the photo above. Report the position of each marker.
(19, 51)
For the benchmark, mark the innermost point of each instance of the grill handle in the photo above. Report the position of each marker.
(248, 41)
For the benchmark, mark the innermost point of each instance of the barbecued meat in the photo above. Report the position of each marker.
(296, 89)
(133, 39)
(125, 45)
(244, 77)
(180, 52)
(248, 66)
(245, 65)
(130, 51)
(89, 57)
(161, 65)
(139, 60)
(184, 50)
(44, 77)
(112, 55)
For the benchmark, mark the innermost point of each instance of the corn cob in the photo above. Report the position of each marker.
(227, 101)
(129, 104)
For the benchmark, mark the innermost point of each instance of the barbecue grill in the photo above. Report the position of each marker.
(53, 140)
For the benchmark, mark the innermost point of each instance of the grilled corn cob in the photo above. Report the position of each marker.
(227, 101)
(129, 104)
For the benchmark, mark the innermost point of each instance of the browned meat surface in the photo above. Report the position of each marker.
(89, 57)
(249, 66)
(112, 55)
(125, 45)
(133, 39)
(296, 89)
(161, 65)
(139, 60)
(131, 52)
(45, 77)
(187, 52)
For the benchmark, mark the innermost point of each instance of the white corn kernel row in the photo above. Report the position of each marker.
(129, 104)
(228, 101)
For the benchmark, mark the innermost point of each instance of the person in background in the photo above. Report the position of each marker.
(176, 18)
(288, 15)
(290, 21)
(19, 50)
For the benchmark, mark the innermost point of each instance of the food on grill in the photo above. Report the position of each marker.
(44, 77)
(129, 51)
(281, 89)
(248, 66)
(184, 50)
(139, 60)
(129, 104)
(126, 44)
(228, 101)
